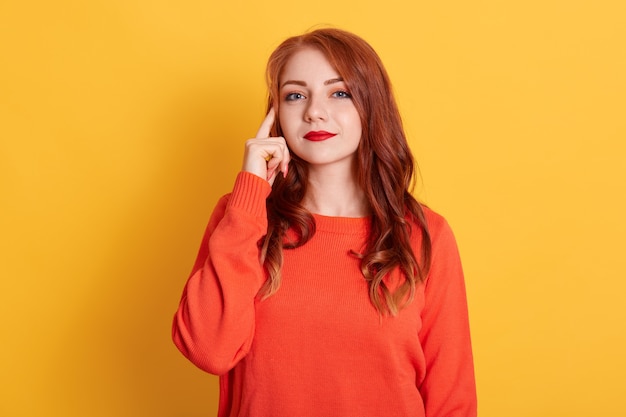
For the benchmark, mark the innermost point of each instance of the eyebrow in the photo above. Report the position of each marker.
(303, 84)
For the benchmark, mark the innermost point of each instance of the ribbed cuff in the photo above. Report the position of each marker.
(249, 194)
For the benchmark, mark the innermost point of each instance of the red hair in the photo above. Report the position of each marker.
(385, 171)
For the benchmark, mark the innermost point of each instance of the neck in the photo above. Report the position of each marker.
(335, 194)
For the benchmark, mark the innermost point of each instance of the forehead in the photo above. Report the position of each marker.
(309, 65)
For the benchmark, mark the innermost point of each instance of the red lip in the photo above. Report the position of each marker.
(319, 135)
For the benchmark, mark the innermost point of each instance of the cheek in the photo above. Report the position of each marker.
(286, 119)
(281, 119)
(353, 120)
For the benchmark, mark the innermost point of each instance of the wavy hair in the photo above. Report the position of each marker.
(385, 170)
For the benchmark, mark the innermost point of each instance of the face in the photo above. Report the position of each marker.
(318, 118)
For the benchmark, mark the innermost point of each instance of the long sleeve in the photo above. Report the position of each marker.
(448, 387)
(214, 324)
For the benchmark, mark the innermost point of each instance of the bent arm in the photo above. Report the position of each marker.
(214, 324)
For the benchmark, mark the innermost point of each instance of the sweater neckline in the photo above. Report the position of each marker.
(342, 225)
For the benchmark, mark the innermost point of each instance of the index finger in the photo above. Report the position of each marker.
(266, 126)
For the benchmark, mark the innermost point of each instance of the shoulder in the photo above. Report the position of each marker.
(438, 228)
(434, 220)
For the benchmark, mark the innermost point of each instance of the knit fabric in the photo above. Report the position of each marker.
(318, 347)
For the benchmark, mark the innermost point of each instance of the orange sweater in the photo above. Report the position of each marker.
(318, 347)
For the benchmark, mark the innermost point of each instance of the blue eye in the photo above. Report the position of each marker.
(342, 94)
(293, 97)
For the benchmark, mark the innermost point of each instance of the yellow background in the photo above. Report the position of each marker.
(122, 122)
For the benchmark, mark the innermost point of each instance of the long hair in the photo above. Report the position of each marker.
(385, 171)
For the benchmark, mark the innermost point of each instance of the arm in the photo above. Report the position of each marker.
(448, 388)
(214, 324)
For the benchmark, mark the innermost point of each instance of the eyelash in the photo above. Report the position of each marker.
(292, 96)
(344, 94)
(337, 94)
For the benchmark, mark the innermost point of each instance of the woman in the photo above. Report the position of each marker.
(322, 287)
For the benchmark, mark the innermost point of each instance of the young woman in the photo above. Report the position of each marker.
(322, 287)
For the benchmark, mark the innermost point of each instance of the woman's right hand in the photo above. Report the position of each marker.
(266, 156)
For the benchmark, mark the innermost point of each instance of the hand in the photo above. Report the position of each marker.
(265, 156)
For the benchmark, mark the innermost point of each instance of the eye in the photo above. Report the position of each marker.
(341, 94)
(293, 97)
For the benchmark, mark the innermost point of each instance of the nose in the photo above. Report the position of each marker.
(315, 110)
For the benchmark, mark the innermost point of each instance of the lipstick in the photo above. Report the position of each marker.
(318, 135)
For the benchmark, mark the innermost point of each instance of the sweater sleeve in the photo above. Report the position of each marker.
(448, 387)
(214, 324)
